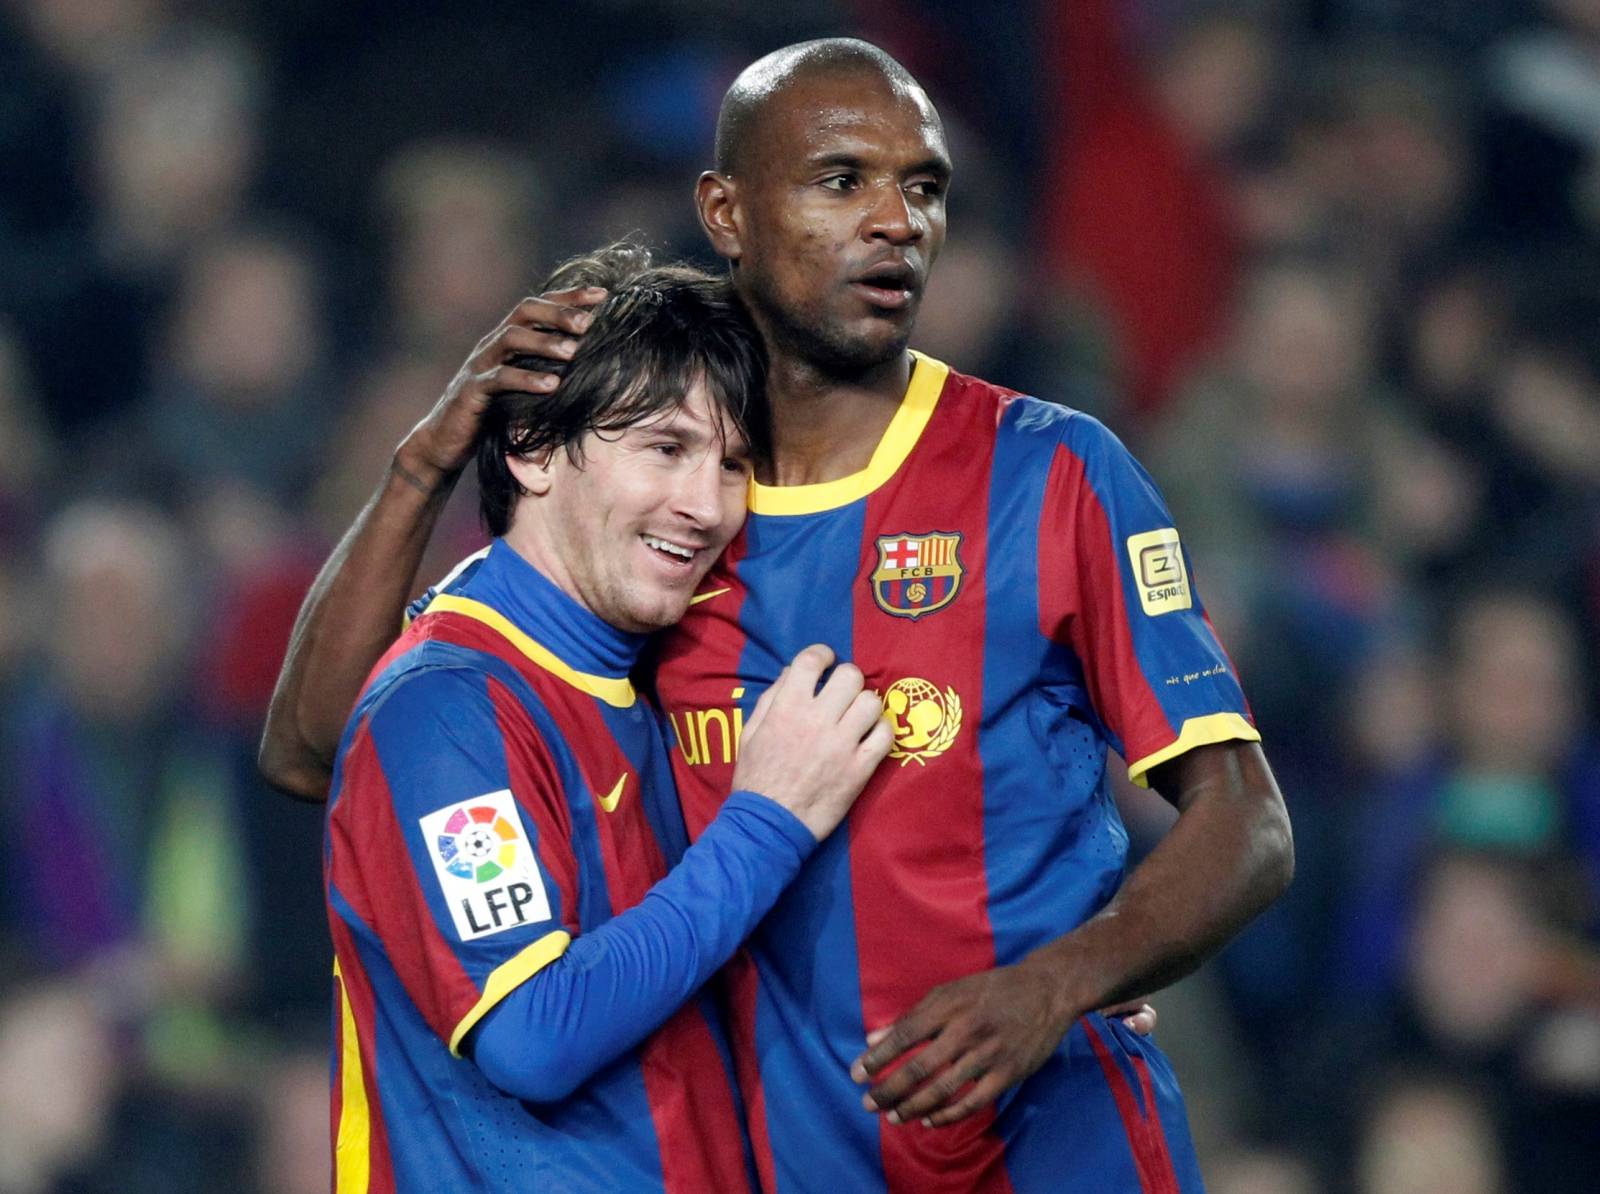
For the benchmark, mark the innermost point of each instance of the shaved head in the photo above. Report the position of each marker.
(748, 99)
(828, 200)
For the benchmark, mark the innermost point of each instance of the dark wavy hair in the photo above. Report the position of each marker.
(660, 329)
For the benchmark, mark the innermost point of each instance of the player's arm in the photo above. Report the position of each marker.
(356, 604)
(1227, 857)
(807, 750)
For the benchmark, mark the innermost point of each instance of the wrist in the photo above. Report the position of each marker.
(1061, 975)
(413, 468)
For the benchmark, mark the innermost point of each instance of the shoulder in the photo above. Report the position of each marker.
(441, 723)
(431, 685)
(429, 678)
(1028, 418)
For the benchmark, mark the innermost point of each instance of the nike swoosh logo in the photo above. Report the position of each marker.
(699, 597)
(613, 798)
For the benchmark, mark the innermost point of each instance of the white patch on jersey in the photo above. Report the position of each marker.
(1159, 572)
(485, 865)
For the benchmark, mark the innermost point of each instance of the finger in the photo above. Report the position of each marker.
(1134, 1014)
(916, 1026)
(541, 313)
(763, 703)
(1142, 1021)
(930, 1064)
(577, 296)
(516, 340)
(984, 1091)
(944, 1089)
(807, 667)
(864, 711)
(840, 689)
(875, 746)
(507, 379)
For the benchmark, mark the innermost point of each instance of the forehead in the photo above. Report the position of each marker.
(859, 112)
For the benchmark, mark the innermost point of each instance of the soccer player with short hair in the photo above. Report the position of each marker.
(508, 876)
(1011, 583)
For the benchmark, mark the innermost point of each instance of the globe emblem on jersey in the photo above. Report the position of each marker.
(925, 721)
(916, 592)
(477, 843)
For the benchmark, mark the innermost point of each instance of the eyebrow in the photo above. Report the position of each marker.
(934, 164)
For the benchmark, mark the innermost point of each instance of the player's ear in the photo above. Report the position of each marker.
(717, 198)
(533, 472)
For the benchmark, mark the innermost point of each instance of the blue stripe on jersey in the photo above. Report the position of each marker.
(1168, 644)
(804, 1079)
(1054, 842)
(513, 1142)
(640, 732)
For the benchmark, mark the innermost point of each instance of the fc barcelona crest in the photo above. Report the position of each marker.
(917, 574)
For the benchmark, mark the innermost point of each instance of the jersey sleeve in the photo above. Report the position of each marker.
(459, 877)
(1117, 587)
(621, 981)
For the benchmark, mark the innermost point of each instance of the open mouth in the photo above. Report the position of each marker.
(675, 554)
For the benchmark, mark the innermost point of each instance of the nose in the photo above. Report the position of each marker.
(697, 496)
(892, 218)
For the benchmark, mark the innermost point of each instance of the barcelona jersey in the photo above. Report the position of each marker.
(1010, 582)
(501, 790)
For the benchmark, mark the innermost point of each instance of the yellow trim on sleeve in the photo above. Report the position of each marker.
(352, 1148)
(617, 693)
(1197, 731)
(507, 977)
(916, 408)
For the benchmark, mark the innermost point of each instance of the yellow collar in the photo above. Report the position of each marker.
(916, 408)
(617, 693)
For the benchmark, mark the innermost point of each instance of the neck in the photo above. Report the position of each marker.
(523, 589)
(825, 426)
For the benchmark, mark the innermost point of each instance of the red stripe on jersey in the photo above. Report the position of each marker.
(1093, 619)
(1147, 1141)
(691, 1104)
(536, 785)
(363, 1009)
(917, 832)
(742, 980)
(711, 638)
(390, 898)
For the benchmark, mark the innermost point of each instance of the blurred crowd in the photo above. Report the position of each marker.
(1331, 267)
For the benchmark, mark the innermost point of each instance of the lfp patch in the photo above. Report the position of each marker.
(917, 574)
(485, 865)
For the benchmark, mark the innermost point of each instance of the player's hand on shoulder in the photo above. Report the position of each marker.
(546, 328)
(811, 745)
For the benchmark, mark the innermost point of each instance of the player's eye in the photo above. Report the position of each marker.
(668, 449)
(928, 188)
(732, 464)
(840, 182)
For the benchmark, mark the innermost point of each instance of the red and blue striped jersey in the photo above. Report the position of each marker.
(1010, 581)
(499, 791)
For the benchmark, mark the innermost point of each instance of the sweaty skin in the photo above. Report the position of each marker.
(831, 224)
